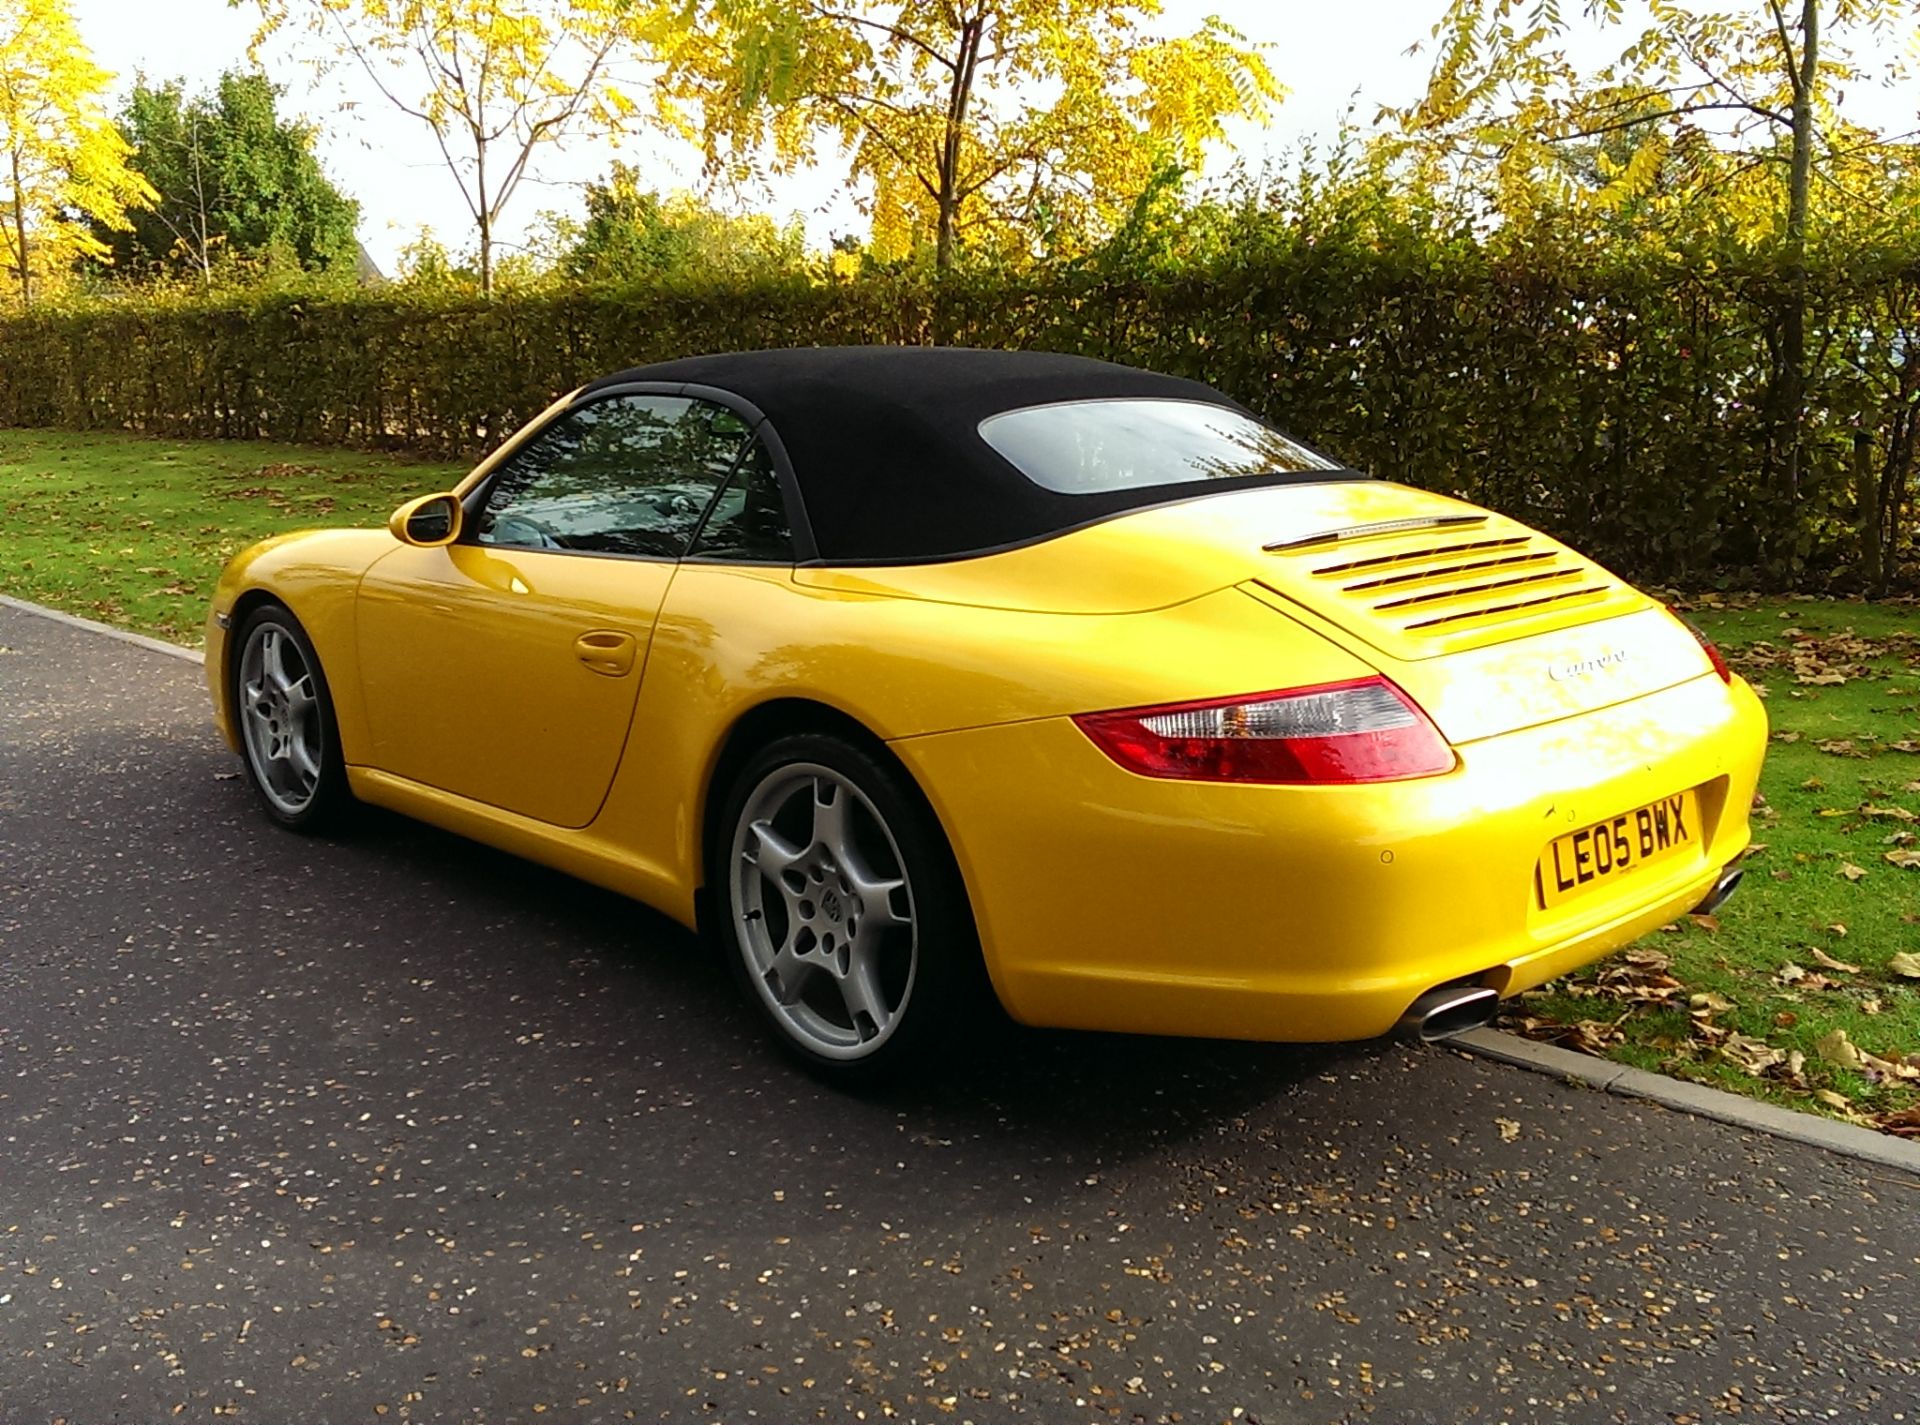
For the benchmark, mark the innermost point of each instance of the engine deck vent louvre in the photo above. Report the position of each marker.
(1452, 586)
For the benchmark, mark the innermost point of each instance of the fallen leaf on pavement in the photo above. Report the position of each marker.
(1509, 1130)
(1822, 958)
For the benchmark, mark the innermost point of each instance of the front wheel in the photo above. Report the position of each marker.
(843, 914)
(285, 711)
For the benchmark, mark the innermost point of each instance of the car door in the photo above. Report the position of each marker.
(504, 667)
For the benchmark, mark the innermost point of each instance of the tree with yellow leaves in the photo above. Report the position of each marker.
(1003, 123)
(65, 164)
(493, 80)
(1731, 117)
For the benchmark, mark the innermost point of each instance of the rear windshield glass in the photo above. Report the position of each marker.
(1085, 447)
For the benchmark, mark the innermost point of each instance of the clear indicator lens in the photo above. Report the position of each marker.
(1368, 708)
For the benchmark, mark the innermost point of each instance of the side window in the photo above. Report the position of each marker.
(749, 520)
(625, 475)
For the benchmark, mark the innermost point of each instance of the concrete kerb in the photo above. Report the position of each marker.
(1850, 1140)
(138, 640)
(1846, 1139)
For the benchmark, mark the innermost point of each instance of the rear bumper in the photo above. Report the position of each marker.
(1111, 901)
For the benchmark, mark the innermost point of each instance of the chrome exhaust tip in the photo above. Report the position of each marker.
(1449, 1010)
(1723, 888)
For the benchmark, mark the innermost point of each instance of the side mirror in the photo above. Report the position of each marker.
(428, 522)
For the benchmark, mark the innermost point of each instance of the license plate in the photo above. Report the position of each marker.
(1607, 851)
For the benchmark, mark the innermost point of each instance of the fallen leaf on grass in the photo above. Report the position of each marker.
(1826, 961)
(1708, 923)
(1851, 871)
(1588, 1036)
(1836, 1048)
(1509, 1130)
(1813, 784)
(1837, 929)
(1756, 1056)
(1708, 1002)
(1888, 813)
(1786, 737)
(1841, 747)
(1902, 1123)
(1905, 860)
(1870, 1006)
(1905, 963)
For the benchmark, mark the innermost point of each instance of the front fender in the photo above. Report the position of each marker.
(316, 574)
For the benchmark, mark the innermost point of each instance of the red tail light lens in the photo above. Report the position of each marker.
(1713, 654)
(1366, 730)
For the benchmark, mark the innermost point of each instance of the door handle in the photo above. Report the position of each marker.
(606, 651)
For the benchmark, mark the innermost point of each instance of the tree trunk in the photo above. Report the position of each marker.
(20, 234)
(947, 195)
(1866, 495)
(483, 213)
(1793, 386)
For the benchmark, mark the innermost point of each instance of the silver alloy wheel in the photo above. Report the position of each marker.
(823, 912)
(280, 718)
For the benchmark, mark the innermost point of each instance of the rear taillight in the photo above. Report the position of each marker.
(1366, 730)
(1713, 654)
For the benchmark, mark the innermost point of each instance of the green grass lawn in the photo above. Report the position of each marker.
(133, 531)
(1794, 992)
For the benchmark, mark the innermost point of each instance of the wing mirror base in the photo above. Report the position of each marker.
(428, 522)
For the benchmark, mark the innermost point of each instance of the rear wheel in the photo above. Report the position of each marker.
(285, 712)
(842, 913)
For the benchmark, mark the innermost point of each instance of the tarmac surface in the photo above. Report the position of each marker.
(393, 1127)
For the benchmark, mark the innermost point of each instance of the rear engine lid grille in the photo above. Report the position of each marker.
(1421, 588)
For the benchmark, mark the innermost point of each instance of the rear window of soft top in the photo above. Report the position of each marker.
(1089, 447)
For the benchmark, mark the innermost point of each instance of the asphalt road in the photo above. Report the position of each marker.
(395, 1128)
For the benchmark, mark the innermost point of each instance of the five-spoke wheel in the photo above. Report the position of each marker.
(285, 717)
(844, 912)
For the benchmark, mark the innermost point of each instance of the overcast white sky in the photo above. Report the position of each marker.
(1325, 51)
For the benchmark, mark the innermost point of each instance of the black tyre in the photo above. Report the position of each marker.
(283, 710)
(841, 912)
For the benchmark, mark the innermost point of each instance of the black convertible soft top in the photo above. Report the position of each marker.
(886, 450)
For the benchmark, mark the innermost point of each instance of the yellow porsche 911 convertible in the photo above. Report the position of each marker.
(914, 675)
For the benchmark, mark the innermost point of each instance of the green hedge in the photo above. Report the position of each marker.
(1626, 407)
